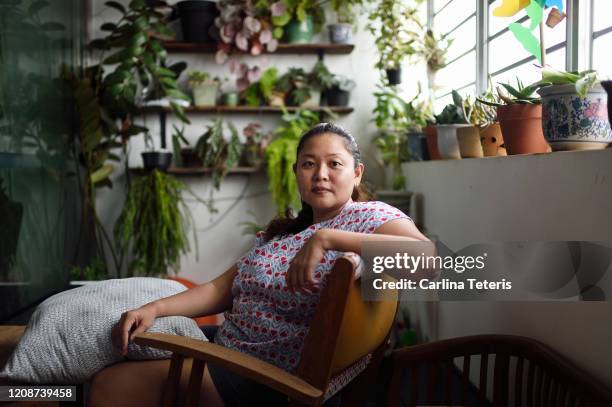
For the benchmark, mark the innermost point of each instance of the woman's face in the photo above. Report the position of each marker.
(326, 174)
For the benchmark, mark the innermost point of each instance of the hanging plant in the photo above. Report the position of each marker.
(153, 223)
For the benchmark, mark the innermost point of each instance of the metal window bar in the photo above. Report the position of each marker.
(457, 89)
(442, 8)
(528, 59)
(455, 28)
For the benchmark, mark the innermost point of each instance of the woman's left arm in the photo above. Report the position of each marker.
(300, 272)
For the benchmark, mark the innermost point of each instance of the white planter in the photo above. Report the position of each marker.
(448, 145)
(571, 123)
(205, 94)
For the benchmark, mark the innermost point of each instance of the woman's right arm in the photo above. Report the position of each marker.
(206, 299)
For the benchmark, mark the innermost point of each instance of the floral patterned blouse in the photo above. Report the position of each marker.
(267, 320)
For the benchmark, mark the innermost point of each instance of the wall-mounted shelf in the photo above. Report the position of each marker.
(210, 48)
(246, 109)
(186, 171)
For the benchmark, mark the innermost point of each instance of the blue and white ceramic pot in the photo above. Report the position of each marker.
(572, 123)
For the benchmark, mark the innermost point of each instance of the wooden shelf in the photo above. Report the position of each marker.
(246, 109)
(200, 170)
(210, 48)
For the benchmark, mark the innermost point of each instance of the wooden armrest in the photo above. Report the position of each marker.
(234, 361)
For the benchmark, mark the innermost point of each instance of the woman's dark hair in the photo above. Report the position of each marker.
(288, 224)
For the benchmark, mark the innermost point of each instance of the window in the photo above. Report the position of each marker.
(456, 20)
(601, 37)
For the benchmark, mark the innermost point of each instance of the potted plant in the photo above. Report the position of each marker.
(574, 110)
(154, 159)
(280, 157)
(520, 118)
(319, 79)
(254, 148)
(453, 117)
(340, 31)
(339, 91)
(433, 49)
(468, 138)
(245, 26)
(393, 24)
(485, 114)
(204, 88)
(197, 19)
(262, 92)
(217, 152)
(296, 85)
(153, 224)
(299, 20)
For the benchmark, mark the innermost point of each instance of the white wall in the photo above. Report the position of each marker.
(222, 244)
(562, 196)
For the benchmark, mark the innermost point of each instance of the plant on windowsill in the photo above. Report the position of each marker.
(485, 116)
(574, 116)
(453, 117)
(520, 117)
(153, 225)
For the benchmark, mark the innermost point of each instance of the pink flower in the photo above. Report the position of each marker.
(278, 9)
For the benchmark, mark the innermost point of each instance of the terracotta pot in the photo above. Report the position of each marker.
(432, 142)
(492, 140)
(521, 126)
(469, 142)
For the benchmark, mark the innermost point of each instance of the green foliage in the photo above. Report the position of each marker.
(178, 138)
(258, 93)
(583, 81)
(299, 10)
(459, 112)
(280, 157)
(96, 270)
(218, 153)
(515, 95)
(389, 145)
(199, 77)
(433, 49)
(153, 223)
(395, 27)
(320, 77)
(393, 113)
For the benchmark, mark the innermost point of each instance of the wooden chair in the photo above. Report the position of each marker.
(346, 333)
(524, 372)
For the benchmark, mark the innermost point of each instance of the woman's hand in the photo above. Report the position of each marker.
(299, 276)
(132, 322)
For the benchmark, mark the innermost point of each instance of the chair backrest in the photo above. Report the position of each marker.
(511, 371)
(344, 329)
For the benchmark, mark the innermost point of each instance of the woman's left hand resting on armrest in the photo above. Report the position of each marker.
(301, 269)
(206, 299)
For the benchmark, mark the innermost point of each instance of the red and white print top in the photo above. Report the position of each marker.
(267, 320)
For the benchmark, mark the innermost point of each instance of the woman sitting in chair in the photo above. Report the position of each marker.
(272, 291)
